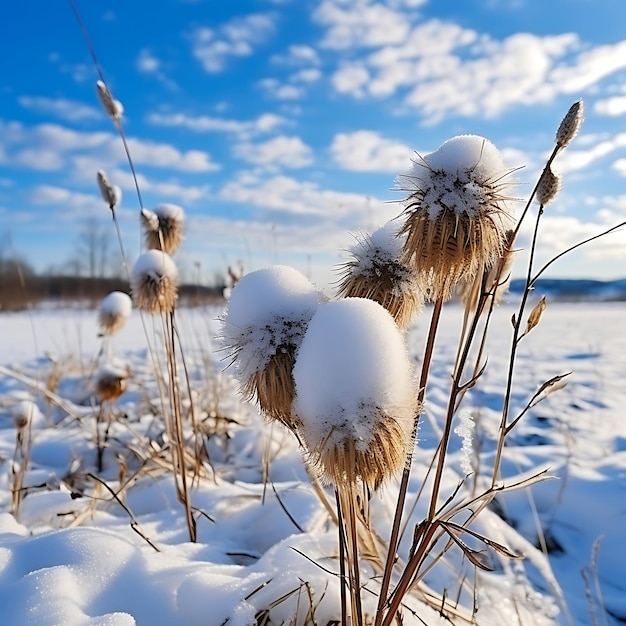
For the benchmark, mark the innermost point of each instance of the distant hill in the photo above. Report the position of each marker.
(576, 289)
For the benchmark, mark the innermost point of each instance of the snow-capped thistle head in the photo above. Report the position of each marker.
(163, 227)
(262, 329)
(355, 400)
(113, 108)
(375, 271)
(111, 381)
(495, 281)
(569, 127)
(154, 282)
(114, 310)
(548, 187)
(111, 194)
(24, 413)
(456, 212)
(149, 220)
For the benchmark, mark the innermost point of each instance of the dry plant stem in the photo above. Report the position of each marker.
(342, 562)
(178, 449)
(404, 482)
(513, 353)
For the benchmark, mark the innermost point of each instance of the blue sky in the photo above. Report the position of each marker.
(279, 125)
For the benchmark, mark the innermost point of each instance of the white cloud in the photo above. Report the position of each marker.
(444, 70)
(235, 38)
(70, 110)
(611, 106)
(309, 75)
(281, 91)
(360, 23)
(53, 147)
(51, 194)
(289, 152)
(620, 167)
(367, 151)
(266, 122)
(147, 63)
(574, 160)
(298, 55)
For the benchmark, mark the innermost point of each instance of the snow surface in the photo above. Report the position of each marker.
(72, 557)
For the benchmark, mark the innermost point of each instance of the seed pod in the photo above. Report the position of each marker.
(569, 127)
(111, 194)
(535, 314)
(549, 185)
(113, 108)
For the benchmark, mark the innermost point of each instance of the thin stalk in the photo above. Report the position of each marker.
(342, 560)
(177, 429)
(513, 353)
(404, 482)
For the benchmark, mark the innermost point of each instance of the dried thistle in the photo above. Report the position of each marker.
(163, 227)
(113, 107)
(377, 273)
(495, 281)
(115, 308)
(262, 329)
(111, 382)
(111, 194)
(456, 213)
(154, 282)
(569, 127)
(548, 187)
(355, 394)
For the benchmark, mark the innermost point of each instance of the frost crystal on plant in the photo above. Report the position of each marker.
(355, 394)
(262, 329)
(465, 430)
(376, 271)
(456, 212)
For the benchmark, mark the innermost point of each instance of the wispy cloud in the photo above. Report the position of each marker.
(147, 63)
(264, 123)
(69, 110)
(52, 147)
(235, 38)
(289, 152)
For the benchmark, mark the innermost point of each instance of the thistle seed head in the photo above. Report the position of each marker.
(154, 282)
(569, 127)
(163, 227)
(24, 413)
(376, 272)
(111, 382)
(456, 214)
(113, 312)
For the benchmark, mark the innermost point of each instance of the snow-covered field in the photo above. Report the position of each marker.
(267, 546)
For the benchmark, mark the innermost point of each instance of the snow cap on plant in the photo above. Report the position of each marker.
(114, 310)
(376, 272)
(262, 328)
(456, 212)
(24, 413)
(154, 282)
(111, 381)
(355, 393)
(113, 107)
(163, 227)
(111, 194)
